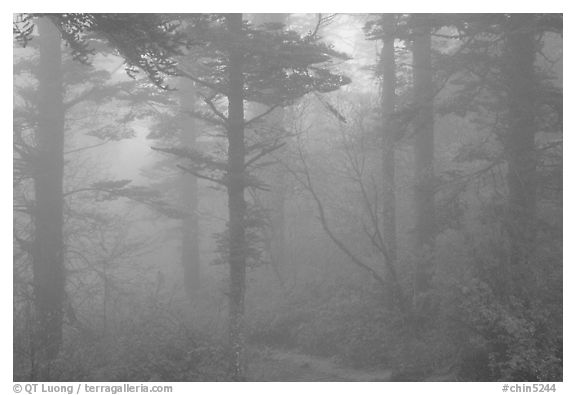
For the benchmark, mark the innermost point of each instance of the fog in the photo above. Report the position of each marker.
(287, 197)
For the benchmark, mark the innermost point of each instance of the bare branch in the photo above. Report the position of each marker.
(322, 21)
(87, 189)
(264, 152)
(324, 222)
(207, 117)
(86, 147)
(317, 27)
(202, 176)
(258, 117)
(80, 98)
(210, 104)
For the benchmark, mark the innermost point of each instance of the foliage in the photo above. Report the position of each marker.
(520, 344)
(482, 318)
(146, 41)
(149, 347)
(256, 224)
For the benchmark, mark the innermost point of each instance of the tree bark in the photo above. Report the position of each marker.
(189, 196)
(48, 256)
(277, 180)
(423, 151)
(236, 199)
(278, 223)
(519, 142)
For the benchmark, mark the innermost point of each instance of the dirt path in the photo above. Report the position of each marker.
(268, 364)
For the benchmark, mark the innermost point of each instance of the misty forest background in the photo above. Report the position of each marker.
(210, 197)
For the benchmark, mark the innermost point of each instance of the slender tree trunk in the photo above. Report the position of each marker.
(190, 236)
(423, 151)
(519, 144)
(105, 298)
(388, 97)
(189, 195)
(278, 222)
(48, 256)
(236, 200)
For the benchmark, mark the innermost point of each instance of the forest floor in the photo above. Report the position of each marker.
(272, 364)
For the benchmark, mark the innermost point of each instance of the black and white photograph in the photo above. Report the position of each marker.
(286, 197)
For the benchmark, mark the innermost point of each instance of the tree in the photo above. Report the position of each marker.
(519, 142)
(414, 31)
(267, 65)
(497, 79)
(275, 201)
(45, 110)
(173, 124)
(384, 29)
(388, 100)
(499, 84)
(190, 200)
(423, 147)
(236, 202)
(48, 264)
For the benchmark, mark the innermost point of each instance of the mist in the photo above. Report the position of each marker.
(287, 197)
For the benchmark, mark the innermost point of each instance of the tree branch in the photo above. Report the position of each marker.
(324, 222)
(80, 98)
(258, 117)
(215, 110)
(87, 147)
(264, 152)
(215, 88)
(202, 176)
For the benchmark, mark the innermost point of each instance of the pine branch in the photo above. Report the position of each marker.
(214, 87)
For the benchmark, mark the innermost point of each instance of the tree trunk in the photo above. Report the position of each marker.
(276, 198)
(236, 200)
(423, 151)
(388, 97)
(519, 144)
(48, 256)
(189, 196)
(278, 223)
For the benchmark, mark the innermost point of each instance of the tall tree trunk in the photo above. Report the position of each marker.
(48, 256)
(423, 150)
(388, 98)
(189, 195)
(519, 144)
(277, 196)
(278, 223)
(236, 200)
